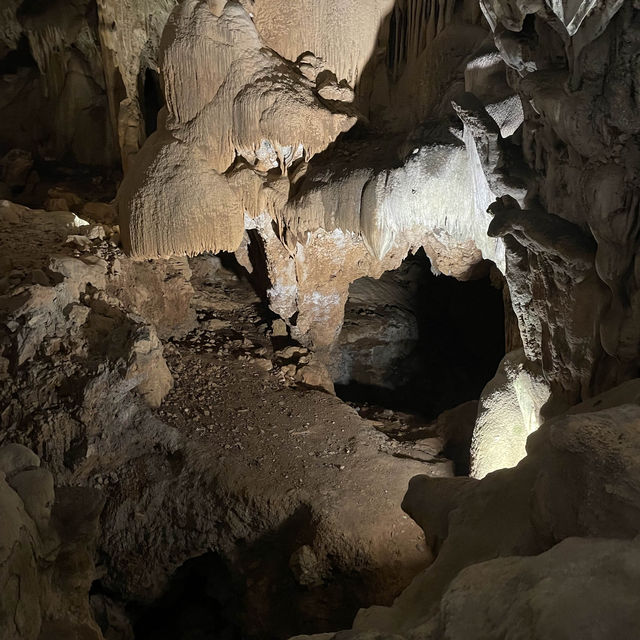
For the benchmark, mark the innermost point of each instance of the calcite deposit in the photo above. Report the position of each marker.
(319, 315)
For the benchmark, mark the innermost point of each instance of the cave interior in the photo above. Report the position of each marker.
(319, 320)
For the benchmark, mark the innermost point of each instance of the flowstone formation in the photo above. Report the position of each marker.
(216, 215)
(492, 155)
(255, 141)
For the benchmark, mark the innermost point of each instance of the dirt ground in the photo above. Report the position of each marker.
(287, 490)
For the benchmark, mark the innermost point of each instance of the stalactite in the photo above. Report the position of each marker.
(414, 25)
(227, 97)
(48, 49)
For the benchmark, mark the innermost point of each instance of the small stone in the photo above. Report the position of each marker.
(289, 370)
(38, 276)
(305, 566)
(79, 242)
(279, 329)
(215, 324)
(96, 232)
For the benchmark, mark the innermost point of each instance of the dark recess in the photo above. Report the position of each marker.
(461, 342)
(152, 100)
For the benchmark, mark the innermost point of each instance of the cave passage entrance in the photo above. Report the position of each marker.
(200, 604)
(420, 343)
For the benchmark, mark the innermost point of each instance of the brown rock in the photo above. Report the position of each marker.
(101, 212)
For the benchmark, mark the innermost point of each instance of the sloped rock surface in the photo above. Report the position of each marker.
(581, 478)
(60, 324)
(46, 546)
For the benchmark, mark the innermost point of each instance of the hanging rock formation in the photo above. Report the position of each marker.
(321, 142)
(378, 198)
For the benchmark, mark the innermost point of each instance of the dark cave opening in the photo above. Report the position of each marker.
(199, 604)
(152, 100)
(420, 343)
(271, 588)
(18, 58)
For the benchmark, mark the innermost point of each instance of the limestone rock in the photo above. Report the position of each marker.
(56, 317)
(197, 42)
(82, 243)
(305, 566)
(594, 458)
(582, 332)
(15, 457)
(137, 283)
(147, 365)
(602, 498)
(508, 413)
(380, 330)
(45, 567)
(129, 32)
(279, 328)
(579, 586)
(314, 374)
(35, 488)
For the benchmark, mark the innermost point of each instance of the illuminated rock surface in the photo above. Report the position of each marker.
(265, 264)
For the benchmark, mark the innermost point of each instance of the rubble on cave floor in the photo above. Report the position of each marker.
(170, 389)
(234, 341)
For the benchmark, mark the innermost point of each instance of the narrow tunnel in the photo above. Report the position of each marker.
(417, 342)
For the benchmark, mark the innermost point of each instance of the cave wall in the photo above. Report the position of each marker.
(571, 256)
(408, 150)
(347, 136)
(73, 76)
(504, 131)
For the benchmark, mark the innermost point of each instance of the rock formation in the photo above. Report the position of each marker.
(217, 214)
(47, 536)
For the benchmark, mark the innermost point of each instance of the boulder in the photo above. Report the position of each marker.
(581, 588)
(15, 457)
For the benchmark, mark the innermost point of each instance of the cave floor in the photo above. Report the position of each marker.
(295, 493)
(266, 450)
(230, 392)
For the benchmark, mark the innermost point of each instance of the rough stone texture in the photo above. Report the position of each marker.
(210, 470)
(422, 187)
(57, 85)
(62, 322)
(215, 69)
(323, 141)
(380, 330)
(581, 586)
(581, 478)
(569, 256)
(137, 285)
(129, 34)
(46, 545)
(570, 166)
(168, 212)
(83, 75)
